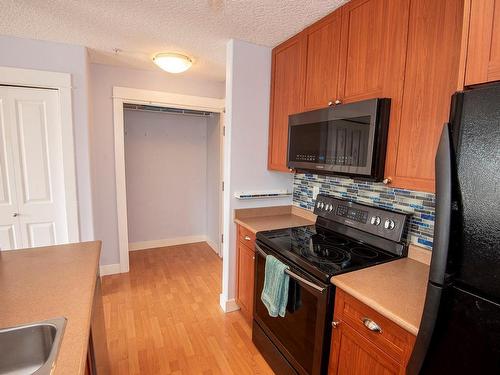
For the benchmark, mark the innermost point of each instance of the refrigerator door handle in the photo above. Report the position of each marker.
(443, 166)
(439, 253)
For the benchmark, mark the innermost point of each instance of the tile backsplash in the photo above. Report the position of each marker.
(419, 204)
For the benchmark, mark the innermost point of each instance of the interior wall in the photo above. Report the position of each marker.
(103, 78)
(63, 58)
(166, 173)
(248, 78)
(213, 181)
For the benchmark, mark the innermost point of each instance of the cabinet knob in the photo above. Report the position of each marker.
(335, 324)
(15, 214)
(330, 103)
(247, 238)
(387, 180)
(338, 101)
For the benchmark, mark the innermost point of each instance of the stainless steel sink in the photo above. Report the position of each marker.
(31, 348)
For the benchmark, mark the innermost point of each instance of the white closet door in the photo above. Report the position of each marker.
(36, 140)
(10, 230)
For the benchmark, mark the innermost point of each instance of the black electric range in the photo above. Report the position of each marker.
(346, 237)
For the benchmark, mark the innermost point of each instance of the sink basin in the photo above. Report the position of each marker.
(31, 348)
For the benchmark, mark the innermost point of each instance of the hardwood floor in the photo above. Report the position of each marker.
(163, 317)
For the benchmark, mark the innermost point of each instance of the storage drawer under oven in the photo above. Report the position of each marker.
(303, 335)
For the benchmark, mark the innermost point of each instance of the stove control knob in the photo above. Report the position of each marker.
(321, 205)
(331, 208)
(318, 204)
(389, 224)
(375, 220)
(326, 207)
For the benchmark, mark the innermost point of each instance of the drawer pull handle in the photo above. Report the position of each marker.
(247, 238)
(335, 324)
(371, 325)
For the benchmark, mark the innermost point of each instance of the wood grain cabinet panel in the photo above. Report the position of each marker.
(323, 58)
(245, 279)
(358, 350)
(287, 96)
(483, 52)
(431, 77)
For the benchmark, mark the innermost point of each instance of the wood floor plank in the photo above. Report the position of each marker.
(163, 317)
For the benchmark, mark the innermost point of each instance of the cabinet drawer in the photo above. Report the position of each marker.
(246, 236)
(385, 334)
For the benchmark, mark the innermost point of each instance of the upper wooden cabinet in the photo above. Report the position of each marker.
(483, 51)
(323, 58)
(373, 46)
(287, 96)
(431, 77)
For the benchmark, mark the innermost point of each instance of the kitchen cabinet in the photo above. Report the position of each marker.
(483, 51)
(287, 96)
(323, 58)
(365, 342)
(245, 263)
(410, 51)
(431, 77)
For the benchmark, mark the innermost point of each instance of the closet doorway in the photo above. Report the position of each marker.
(169, 170)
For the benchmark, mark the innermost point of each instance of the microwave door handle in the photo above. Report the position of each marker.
(292, 274)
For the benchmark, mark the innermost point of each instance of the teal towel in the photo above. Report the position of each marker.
(275, 292)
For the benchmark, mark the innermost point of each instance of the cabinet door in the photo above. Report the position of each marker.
(431, 77)
(353, 354)
(287, 96)
(246, 260)
(373, 45)
(323, 57)
(483, 51)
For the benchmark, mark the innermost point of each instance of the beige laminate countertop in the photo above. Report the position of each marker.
(49, 282)
(395, 289)
(269, 218)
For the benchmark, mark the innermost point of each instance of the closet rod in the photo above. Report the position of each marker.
(166, 110)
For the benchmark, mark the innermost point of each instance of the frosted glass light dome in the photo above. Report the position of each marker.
(173, 62)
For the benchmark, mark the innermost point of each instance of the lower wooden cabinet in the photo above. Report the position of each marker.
(245, 266)
(365, 342)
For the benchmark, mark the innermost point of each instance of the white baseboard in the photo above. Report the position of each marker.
(213, 245)
(228, 305)
(109, 269)
(133, 246)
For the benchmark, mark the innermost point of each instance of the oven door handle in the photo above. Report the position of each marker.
(292, 274)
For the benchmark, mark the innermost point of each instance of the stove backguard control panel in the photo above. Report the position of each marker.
(383, 223)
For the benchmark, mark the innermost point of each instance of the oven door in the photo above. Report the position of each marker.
(303, 335)
(349, 139)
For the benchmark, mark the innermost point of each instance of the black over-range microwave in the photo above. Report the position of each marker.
(346, 139)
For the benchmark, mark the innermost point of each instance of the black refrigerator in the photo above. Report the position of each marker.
(460, 328)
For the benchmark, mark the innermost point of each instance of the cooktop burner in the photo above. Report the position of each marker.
(321, 251)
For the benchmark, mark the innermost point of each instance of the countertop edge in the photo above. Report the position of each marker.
(375, 306)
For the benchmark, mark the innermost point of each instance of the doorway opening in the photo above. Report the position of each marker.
(164, 170)
(173, 176)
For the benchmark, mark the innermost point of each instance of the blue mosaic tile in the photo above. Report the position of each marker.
(419, 204)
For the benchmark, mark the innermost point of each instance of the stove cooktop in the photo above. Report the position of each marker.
(323, 252)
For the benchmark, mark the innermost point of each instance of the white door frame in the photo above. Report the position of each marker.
(123, 95)
(62, 83)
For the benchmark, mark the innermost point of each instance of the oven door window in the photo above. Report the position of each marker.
(302, 330)
(340, 142)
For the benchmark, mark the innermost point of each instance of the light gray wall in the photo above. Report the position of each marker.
(248, 77)
(166, 172)
(103, 79)
(213, 180)
(63, 58)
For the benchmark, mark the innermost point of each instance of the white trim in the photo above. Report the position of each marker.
(34, 78)
(109, 269)
(228, 305)
(62, 83)
(123, 95)
(213, 246)
(138, 96)
(134, 246)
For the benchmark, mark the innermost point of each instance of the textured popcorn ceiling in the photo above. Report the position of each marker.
(199, 28)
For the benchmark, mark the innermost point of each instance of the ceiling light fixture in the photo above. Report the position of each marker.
(173, 62)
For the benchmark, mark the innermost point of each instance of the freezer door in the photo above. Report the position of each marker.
(465, 339)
